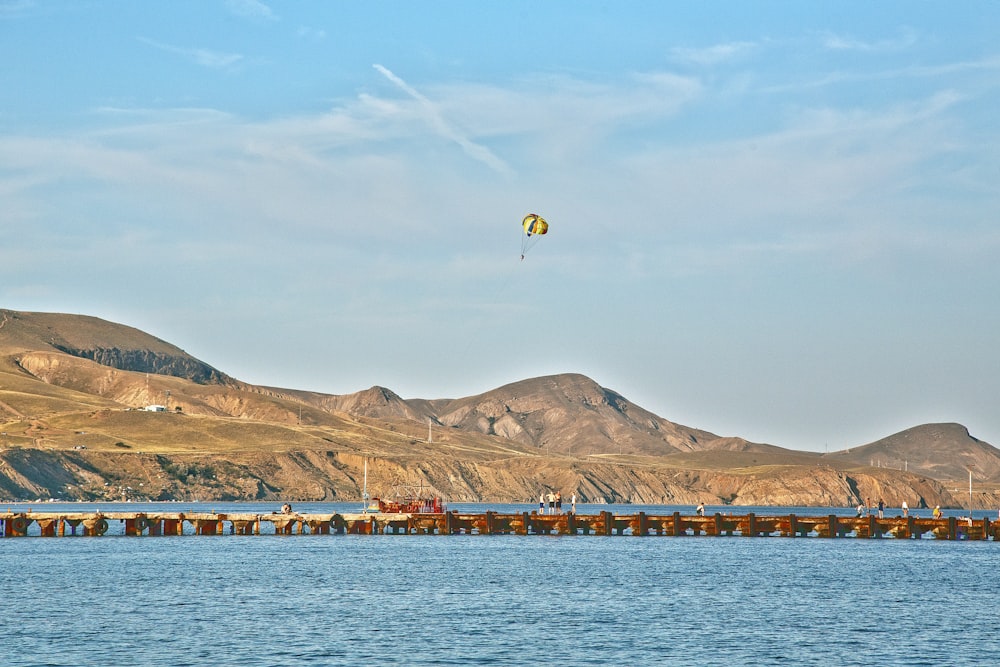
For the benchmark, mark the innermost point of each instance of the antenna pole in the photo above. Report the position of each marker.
(364, 492)
(970, 492)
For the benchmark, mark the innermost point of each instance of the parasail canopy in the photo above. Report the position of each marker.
(534, 225)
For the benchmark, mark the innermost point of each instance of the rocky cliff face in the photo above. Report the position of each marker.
(147, 361)
(337, 476)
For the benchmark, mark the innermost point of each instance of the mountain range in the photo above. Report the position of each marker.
(75, 392)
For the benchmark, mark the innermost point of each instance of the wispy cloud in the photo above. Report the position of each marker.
(986, 64)
(253, 9)
(311, 33)
(713, 55)
(199, 56)
(435, 119)
(313, 171)
(906, 39)
(13, 7)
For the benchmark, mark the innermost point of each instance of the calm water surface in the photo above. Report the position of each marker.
(496, 600)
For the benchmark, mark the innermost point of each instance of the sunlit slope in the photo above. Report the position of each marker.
(73, 393)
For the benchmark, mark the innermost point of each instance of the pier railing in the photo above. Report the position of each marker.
(153, 524)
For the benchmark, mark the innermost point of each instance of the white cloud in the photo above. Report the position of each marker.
(437, 121)
(253, 9)
(311, 33)
(15, 7)
(199, 56)
(713, 55)
(774, 192)
(906, 39)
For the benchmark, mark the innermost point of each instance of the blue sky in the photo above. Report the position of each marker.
(773, 220)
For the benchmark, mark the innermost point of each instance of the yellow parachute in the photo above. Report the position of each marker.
(534, 226)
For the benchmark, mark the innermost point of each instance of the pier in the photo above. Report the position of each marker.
(156, 524)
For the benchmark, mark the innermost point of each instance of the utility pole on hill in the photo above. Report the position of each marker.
(970, 489)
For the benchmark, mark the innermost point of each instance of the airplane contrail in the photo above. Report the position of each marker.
(472, 149)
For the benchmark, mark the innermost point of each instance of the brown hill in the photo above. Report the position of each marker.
(109, 344)
(569, 414)
(377, 402)
(942, 451)
(72, 389)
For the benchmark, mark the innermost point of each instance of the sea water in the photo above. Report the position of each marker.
(495, 600)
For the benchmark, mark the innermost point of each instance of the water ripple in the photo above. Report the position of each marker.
(503, 600)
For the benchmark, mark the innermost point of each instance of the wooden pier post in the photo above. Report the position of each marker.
(641, 524)
(490, 522)
(608, 522)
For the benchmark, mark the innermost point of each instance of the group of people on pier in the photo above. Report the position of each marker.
(555, 503)
(865, 509)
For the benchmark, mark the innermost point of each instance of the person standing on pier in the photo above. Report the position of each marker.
(881, 507)
(906, 509)
(558, 502)
(541, 504)
(552, 503)
(572, 503)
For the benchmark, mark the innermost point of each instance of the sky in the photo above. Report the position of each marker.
(772, 220)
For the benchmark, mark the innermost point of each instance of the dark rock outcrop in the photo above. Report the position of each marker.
(147, 361)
